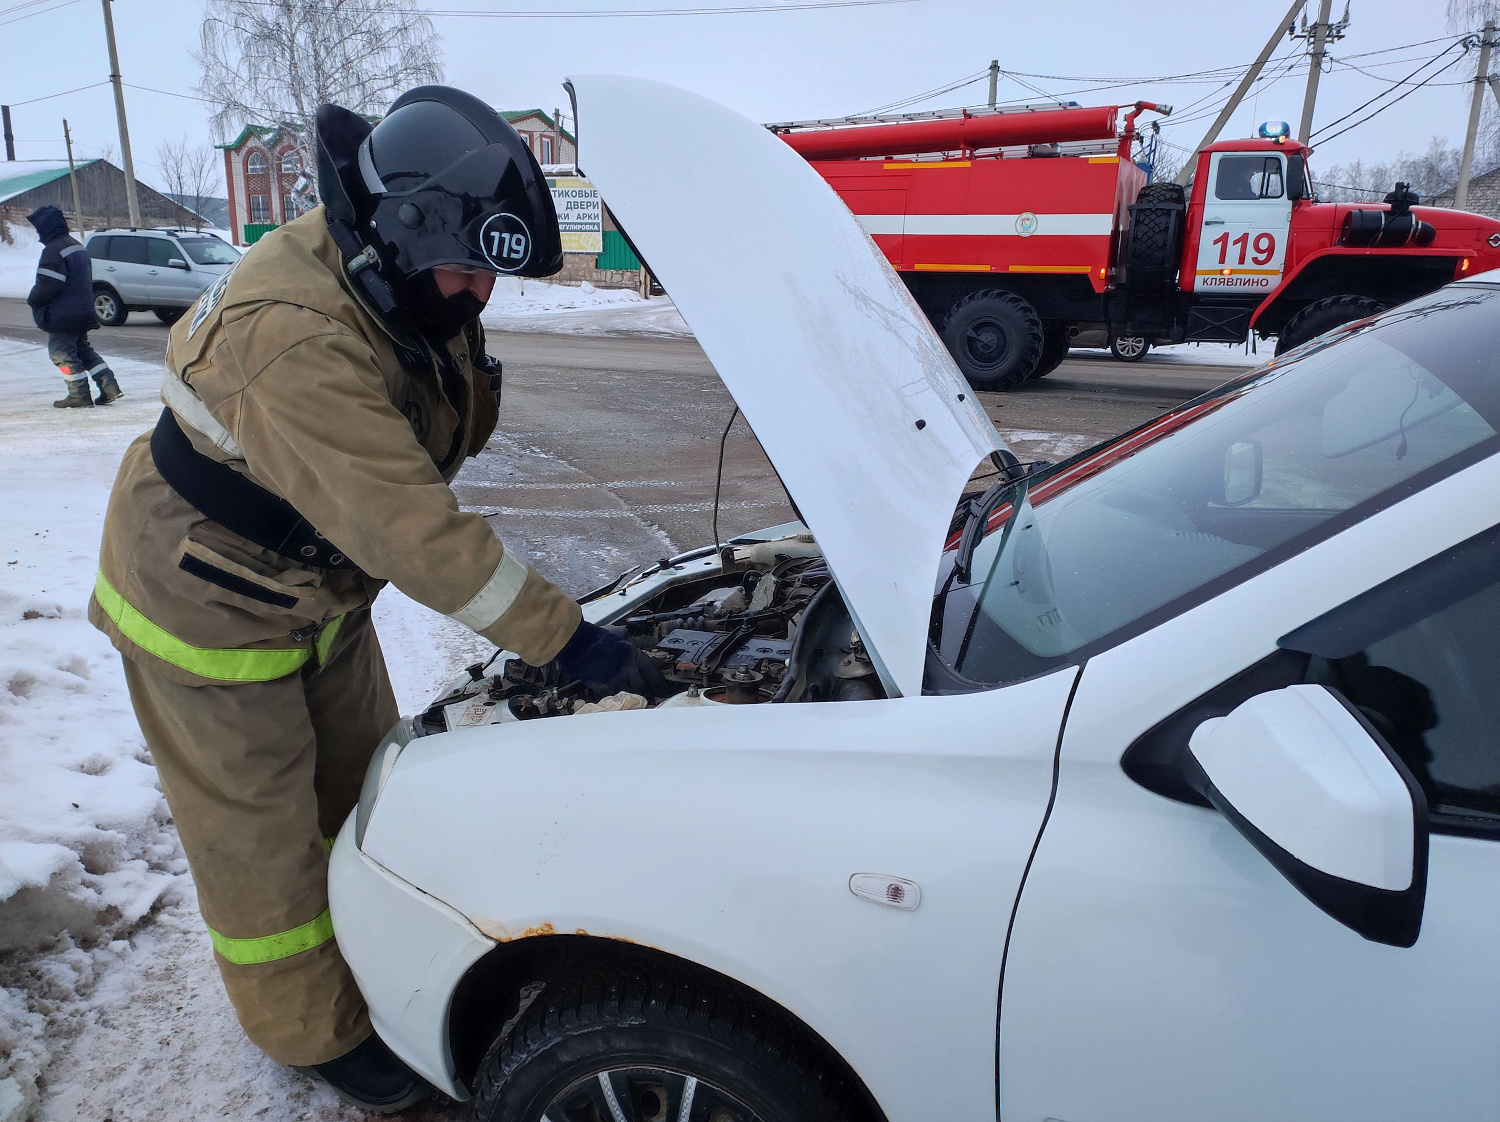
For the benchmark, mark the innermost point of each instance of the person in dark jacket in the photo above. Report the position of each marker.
(62, 304)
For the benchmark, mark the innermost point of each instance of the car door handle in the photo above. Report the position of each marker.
(1213, 222)
(151, 272)
(109, 268)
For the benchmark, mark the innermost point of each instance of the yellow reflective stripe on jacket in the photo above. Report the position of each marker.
(269, 948)
(223, 664)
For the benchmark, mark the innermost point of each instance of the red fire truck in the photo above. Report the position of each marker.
(1016, 229)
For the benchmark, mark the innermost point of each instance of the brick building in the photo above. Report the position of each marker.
(1484, 195)
(261, 168)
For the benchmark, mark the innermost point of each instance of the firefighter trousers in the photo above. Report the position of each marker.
(258, 775)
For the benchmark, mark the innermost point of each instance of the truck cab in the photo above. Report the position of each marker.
(1017, 229)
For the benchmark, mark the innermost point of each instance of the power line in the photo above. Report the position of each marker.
(28, 15)
(1393, 101)
(1390, 89)
(623, 13)
(65, 93)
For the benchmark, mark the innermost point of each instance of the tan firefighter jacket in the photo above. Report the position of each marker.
(280, 371)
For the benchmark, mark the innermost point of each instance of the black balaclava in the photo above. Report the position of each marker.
(440, 317)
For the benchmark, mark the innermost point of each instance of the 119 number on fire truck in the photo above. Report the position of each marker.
(1264, 248)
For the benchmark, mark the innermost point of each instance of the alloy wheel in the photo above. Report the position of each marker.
(1129, 346)
(104, 306)
(645, 1094)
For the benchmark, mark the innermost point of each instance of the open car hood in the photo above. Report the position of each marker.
(856, 402)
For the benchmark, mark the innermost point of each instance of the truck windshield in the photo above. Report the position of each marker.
(1104, 544)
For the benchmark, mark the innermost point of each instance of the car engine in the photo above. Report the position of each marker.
(769, 626)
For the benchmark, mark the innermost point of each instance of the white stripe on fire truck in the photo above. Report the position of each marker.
(918, 224)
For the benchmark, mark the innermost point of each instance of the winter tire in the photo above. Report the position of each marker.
(1129, 348)
(169, 316)
(653, 1043)
(995, 337)
(1156, 225)
(1322, 316)
(1055, 343)
(109, 309)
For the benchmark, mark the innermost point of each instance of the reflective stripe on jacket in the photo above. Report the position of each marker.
(280, 372)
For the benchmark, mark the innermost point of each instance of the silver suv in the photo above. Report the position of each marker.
(160, 271)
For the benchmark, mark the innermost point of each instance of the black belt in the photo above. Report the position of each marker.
(237, 503)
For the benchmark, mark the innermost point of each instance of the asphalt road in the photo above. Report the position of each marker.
(607, 446)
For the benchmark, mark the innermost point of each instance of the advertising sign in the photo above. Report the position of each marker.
(580, 214)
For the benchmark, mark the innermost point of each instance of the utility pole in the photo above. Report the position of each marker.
(131, 204)
(73, 177)
(1287, 24)
(1481, 79)
(10, 137)
(1319, 35)
(994, 79)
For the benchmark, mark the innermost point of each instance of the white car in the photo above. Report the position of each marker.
(1178, 800)
(162, 271)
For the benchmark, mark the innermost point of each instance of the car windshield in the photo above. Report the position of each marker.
(209, 251)
(1098, 547)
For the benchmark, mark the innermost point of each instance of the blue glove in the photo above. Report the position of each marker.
(610, 663)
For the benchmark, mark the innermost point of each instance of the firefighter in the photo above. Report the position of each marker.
(320, 397)
(62, 304)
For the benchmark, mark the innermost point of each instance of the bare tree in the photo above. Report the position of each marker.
(276, 61)
(1470, 16)
(188, 171)
(1431, 173)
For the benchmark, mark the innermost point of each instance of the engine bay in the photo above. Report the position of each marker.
(766, 624)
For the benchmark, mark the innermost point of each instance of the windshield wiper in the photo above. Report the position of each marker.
(979, 515)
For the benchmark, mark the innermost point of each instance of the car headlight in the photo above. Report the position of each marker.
(378, 772)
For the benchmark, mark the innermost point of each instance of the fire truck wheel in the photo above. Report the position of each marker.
(1322, 316)
(995, 337)
(1055, 343)
(1129, 348)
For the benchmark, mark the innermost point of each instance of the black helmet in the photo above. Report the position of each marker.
(442, 180)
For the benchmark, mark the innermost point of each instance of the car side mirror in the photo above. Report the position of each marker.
(1309, 783)
(177, 263)
(1244, 471)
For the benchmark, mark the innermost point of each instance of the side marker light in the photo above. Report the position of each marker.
(891, 892)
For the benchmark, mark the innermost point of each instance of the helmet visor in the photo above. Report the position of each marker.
(488, 210)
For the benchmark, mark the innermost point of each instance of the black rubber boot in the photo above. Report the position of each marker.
(372, 1078)
(78, 395)
(109, 389)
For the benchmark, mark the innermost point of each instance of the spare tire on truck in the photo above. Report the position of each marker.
(1322, 316)
(1156, 226)
(995, 337)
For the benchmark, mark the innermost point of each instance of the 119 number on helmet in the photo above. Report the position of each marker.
(505, 242)
(507, 246)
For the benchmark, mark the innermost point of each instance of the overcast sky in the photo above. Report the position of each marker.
(778, 65)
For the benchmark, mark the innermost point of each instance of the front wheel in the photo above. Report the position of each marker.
(1129, 348)
(996, 338)
(647, 1043)
(1322, 316)
(169, 316)
(109, 309)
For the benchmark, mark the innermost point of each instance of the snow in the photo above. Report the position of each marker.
(539, 306)
(110, 1004)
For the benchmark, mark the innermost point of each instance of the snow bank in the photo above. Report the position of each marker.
(537, 306)
(110, 1004)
